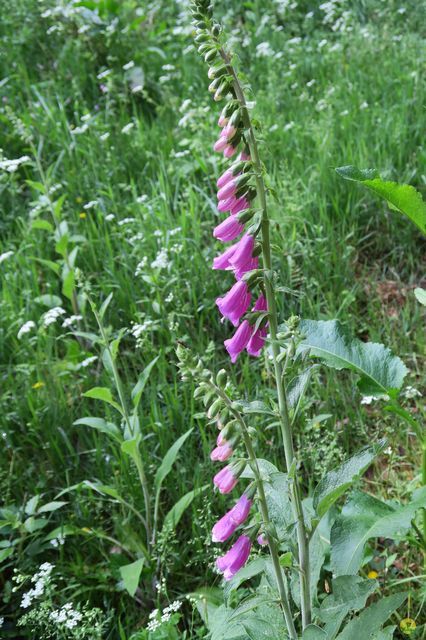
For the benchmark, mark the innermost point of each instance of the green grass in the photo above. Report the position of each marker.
(336, 248)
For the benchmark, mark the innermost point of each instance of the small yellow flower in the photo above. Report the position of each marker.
(38, 385)
(407, 626)
(79, 199)
(86, 530)
(373, 575)
(82, 215)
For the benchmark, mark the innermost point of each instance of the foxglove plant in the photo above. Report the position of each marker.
(250, 307)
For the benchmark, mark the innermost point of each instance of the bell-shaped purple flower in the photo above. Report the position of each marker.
(262, 540)
(222, 452)
(239, 205)
(224, 178)
(235, 558)
(222, 262)
(221, 143)
(229, 151)
(227, 525)
(239, 340)
(226, 205)
(256, 342)
(227, 190)
(252, 264)
(225, 480)
(235, 303)
(243, 253)
(229, 229)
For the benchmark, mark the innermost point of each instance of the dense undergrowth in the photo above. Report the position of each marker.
(105, 105)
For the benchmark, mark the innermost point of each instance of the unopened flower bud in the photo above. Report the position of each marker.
(210, 55)
(215, 408)
(221, 378)
(245, 215)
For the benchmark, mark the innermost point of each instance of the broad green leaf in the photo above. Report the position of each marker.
(32, 524)
(105, 304)
(101, 425)
(63, 530)
(62, 244)
(297, 388)
(279, 506)
(140, 385)
(31, 505)
(42, 224)
(370, 621)
(381, 373)
(168, 460)
(68, 285)
(173, 516)
(38, 186)
(251, 569)
(420, 295)
(54, 266)
(266, 469)
(6, 553)
(337, 481)
(51, 506)
(402, 197)
(364, 517)
(48, 300)
(350, 593)
(130, 574)
(104, 394)
(385, 634)
(131, 448)
(312, 632)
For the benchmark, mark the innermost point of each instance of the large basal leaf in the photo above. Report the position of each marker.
(381, 373)
(251, 570)
(337, 481)
(367, 625)
(350, 593)
(402, 197)
(226, 622)
(364, 517)
(172, 517)
(279, 506)
(312, 632)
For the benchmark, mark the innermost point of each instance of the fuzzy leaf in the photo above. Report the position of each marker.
(364, 517)
(101, 425)
(370, 621)
(381, 373)
(420, 295)
(402, 197)
(337, 481)
(140, 385)
(168, 460)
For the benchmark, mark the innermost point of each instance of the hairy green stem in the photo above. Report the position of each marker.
(273, 547)
(286, 431)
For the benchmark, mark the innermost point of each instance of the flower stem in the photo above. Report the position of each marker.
(273, 547)
(285, 424)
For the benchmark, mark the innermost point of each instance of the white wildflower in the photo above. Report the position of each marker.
(88, 361)
(161, 261)
(109, 217)
(26, 328)
(6, 255)
(78, 130)
(104, 136)
(128, 127)
(411, 392)
(103, 74)
(90, 204)
(363, 105)
(52, 315)
(128, 65)
(68, 322)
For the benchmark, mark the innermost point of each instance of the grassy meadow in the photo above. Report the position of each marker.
(107, 174)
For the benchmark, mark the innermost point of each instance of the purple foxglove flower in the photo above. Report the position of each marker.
(222, 452)
(227, 190)
(249, 266)
(239, 341)
(240, 205)
(224, 178)
(223, 529)
(234, 305)
(228, 230)
(235, 558)
(222, 261)
(260, 304)
(243, 253)
(240, 511)
(262, 540)
(245, 157)
(227, 205)
(229, 151)
(225, 480)
(220, 439)
(229, 131)
(256, 342)
(223, 121)
(221, 143)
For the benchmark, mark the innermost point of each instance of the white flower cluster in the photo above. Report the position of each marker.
(161, 261)
(26, 328)
(67, 616)
(411, 392)
(52, 315)
(12, 165)
(41, 578)
(140, 268)
(68, 322)
(156, 620)
(6, 255)
(60, 540)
